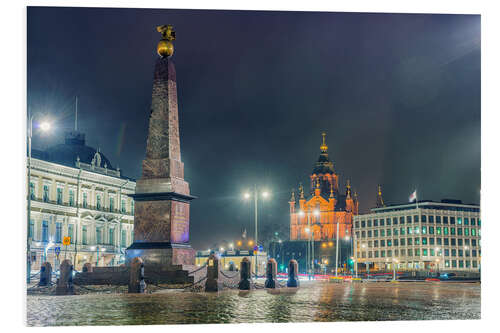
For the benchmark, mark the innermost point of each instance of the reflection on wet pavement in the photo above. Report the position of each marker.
(314, 301)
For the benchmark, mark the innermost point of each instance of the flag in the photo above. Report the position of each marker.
(413, 196)
(244, 235)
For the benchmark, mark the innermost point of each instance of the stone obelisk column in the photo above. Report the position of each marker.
(161, 219)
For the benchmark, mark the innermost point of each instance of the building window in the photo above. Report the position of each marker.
(472, 221)
(45, 231)
(446, 252)
(438, 230)
(409, 230)
(98, 203)
(382, 243)
(410, 253)
(473, 242)
(424, 240)
(111, 236)
(369, 233)
(432, 252)
(431, 218)
(395, 231)
(402, 231)
(58, 232)
(447, 263)
(460, 264)
(363, 224)
(454, 263)
(417, 252)
(85, 200)
(70, 233)
(59, 195)
(382, 233)
(438, 240)
(453, 242)
(445, 219)
(394, 221)
(84, 235)
(424, 252)
(389, 242)
(363, 234)
(452, 231)
(431, 230)
(452, 220)
(424, 230)
(396, 242)
(460, 242)
(417, 241)
(375, 233)
(382, 253)
(32, 191)
(473, 232)
(466, 221)
(474, 263)
(124, 238)
(459, 231)
(45, 193)
(424, 218)
(123, 211)
(453, 252)
(409, 240)
(479, 222)
(31, 230)
(375, 243)
(402, 241)
(402, 220)
(408, 219)
(460, 253)
(98, 235)
(375, 223)
(71, 197)
(382, 222)
(438, 219)
(415, 218)
(403, 252)
(388, 221)
(369, 254)
(111, 204)
(459, 220)
(446, 241)
(388, 232)
(431, 241)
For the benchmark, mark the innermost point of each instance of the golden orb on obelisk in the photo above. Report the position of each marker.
(165, 46)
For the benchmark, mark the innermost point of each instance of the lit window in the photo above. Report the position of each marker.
(58, 232)
(123, 206)
(111, 204)
(32, 191)
(71, 197)
(98, 203)
(45, 193)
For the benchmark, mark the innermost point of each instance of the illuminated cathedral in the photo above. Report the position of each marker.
(325, 206)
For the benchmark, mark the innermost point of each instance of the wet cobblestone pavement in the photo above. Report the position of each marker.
(314, 301)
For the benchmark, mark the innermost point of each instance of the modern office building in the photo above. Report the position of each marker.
(75, 192)
(428, 235)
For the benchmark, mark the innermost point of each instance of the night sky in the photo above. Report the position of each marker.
(398, 96)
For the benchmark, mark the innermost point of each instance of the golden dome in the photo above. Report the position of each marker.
(165, 48)
(323, 147)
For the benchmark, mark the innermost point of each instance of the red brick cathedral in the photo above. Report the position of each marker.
(324, 207)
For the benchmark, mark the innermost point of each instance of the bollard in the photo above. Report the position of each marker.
(136, 275)
(65, 281)
(245, 269)
(212, 273)
(293, 279)
(45, 274)
(87, 268)
(271, 272)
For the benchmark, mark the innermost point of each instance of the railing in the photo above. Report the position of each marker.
(89, 207)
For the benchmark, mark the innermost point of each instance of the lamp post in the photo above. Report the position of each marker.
(265, 195)
(45, 126)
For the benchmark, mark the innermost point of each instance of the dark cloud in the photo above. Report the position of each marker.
(397, 94)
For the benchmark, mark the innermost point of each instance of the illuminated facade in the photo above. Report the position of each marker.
(75, 192)
(325, 207)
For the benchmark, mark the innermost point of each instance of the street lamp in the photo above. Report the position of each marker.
(265, 194)
(44, 126)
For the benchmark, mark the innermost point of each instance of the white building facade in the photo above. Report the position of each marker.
(81, 197)
(432, 236)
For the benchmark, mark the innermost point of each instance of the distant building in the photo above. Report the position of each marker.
(74, 191)
(429, 235)
(231, 259)
(315, 218)
(325, 207)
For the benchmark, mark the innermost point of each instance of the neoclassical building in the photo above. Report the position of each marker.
(75, 191)
(325, 206)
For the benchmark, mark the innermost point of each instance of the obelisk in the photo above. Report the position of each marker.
(162, 199)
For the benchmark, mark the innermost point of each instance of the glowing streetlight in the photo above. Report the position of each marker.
(307, 230)
(316, 212)
(246, 195)
(45, 126)
(301, 213)
(221, 249)
(231, 246)
(265, 194)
